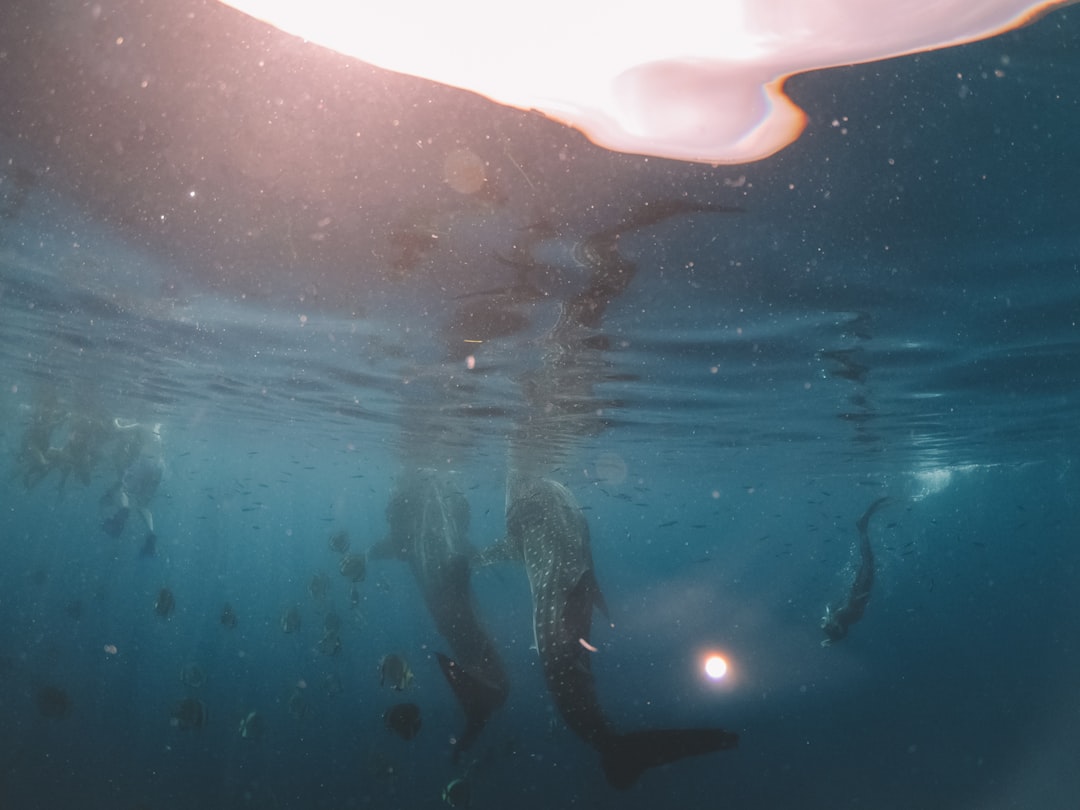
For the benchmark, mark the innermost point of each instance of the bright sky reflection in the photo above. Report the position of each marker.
(683, 79)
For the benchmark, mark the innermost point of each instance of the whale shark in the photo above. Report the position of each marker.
(428, 519)
(547, 531)
(836, 621)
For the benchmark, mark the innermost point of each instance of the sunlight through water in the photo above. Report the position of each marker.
(691, 81)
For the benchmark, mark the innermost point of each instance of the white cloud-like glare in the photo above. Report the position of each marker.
(684, 79)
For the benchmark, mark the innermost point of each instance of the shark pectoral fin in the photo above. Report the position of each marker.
(598, 599)
(499, 551)
(587, 593)
(627, 756)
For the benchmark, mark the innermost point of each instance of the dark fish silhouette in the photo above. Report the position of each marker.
(353, 567)
(252, 726)
(394, 672)
(319, 586)
(403, 719)
(228, 616)
(458, 793)
(548, 532)
(429, 521)
(290, 620)
(188, 714)
(53, 702)
(339, 542)
(165, 603)
(836, 622)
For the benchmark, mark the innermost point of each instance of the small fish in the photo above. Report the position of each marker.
(191, 674)
(318, 586)
(332, 684)
(299, 707)
(403, 719)
(188, 714)
(165, 603)
(457, 793)
(252, 727)
(53, 702)
(353, 566)
(290, 620)
(394, 672)
(330, 643)
(228, 617)
(339, 542)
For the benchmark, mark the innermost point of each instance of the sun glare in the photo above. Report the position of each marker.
(715, 667)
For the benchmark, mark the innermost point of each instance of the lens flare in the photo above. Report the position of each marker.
(718, 671)
(716, 667)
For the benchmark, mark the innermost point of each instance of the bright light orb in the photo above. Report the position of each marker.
(716, 667)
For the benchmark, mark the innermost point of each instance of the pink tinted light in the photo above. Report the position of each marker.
(698, 80)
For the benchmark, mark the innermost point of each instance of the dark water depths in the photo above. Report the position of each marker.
(254, 244)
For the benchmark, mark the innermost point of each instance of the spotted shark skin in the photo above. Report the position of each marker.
(429, 521)
(547, 531)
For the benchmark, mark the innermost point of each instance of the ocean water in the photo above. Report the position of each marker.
(266, 250)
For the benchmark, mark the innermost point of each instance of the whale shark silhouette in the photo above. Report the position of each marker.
(429, 521)
(836, 621)
(546, 530)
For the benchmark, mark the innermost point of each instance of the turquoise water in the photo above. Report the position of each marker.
(259, 251)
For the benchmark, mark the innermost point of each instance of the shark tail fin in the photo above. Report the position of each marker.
(477, 698)
(627, 756)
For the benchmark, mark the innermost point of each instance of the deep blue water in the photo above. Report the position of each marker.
(268, 263)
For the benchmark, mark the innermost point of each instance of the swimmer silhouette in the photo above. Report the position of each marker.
(836, 622)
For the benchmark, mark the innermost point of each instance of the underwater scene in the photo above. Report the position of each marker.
(367, 443)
